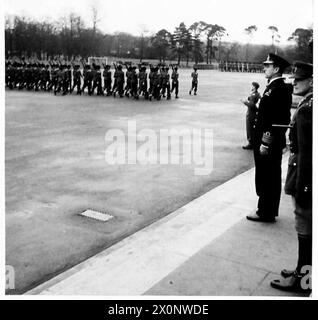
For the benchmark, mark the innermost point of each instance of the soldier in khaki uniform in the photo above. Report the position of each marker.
(299, 179)
(251, 113)
(166, 83)
(87, 75)
(119, 81)
(194, 83)
(175, 81)
(142, 76)
(107, 75)
(77, 75)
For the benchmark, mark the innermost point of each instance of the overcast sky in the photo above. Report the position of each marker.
(152, 15)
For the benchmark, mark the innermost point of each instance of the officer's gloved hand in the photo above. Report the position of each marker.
(263, 150)
(303, 198)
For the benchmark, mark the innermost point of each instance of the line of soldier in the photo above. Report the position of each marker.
(238, 66)
(64, 78)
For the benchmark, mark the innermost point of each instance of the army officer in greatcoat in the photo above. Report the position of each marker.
(299, 180)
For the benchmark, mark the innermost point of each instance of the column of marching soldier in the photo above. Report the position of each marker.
(64, 78)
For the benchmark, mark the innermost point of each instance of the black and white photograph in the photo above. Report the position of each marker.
(158, 150)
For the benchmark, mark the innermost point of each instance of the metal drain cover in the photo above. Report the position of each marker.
(101, 216)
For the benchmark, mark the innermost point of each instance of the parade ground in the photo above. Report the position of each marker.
(55, 168)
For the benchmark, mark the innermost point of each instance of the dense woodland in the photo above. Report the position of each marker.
(199, 43)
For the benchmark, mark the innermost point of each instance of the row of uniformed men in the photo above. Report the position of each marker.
(237, 66)
(64, 78)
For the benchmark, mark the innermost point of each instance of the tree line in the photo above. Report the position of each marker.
(201, 42)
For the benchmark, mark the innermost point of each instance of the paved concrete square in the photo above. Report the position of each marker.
(55, 168)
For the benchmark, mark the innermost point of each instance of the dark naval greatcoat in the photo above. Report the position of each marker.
(270, 127)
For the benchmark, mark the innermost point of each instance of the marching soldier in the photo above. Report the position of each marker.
(194, 85)
(175, 81)
(77, 75)
(92, 75)
(162, 72)
(66, 79)
(119, 81)
(42, 78)
(107, 75)
(47, 76)
(69, 78)
(274, 108)
(151, 81)
(134, 83)
(299, 179)
(36, 76)
(155, 84)
(128, 81)
(60, 79)
(12, 75)
(87, 75)
(19, 76)
(54, 75)
(142, 76)
(166, 83)
(114, 89)
(28, 76)
(97, 81)
(7, 72)
(64, 83)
